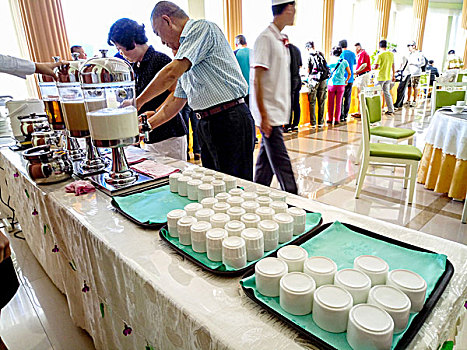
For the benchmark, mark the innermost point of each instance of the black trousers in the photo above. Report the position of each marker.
(273, 159)
(295, 110)
(227, 141)
(346, 99)
(401, 89)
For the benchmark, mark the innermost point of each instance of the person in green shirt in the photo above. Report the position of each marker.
(242, 53)
(386, 75)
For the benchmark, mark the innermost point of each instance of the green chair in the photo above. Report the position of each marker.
(383, 154)
(382, 133)
(447, 94)
(424, 90)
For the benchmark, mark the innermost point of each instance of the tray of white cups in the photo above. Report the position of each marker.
(226, 230)
(350, 288)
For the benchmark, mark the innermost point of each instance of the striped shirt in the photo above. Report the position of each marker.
(16, 66)
(215, 76)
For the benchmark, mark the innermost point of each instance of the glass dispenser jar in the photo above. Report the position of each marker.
(49, 93)
(108, 84)
(74, 112)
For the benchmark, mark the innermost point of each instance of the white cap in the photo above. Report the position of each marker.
(279, 2)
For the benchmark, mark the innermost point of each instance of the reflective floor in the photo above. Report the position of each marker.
(324, 164)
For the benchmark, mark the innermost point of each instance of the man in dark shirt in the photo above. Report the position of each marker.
(295, 85)
(433, 71)
(169, 139)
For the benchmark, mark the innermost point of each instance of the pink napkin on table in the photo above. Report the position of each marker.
(80, 187)
(154, 169)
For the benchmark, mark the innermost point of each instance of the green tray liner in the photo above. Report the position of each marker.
(312, 220)
(350, 245)
(152, 206)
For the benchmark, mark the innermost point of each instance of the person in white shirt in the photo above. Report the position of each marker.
(270, 102)
(20, 67)
(415, 63)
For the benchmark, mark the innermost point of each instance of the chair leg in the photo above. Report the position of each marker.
(359, 154)
(410, 141)
(413, 177)
(407, 175)
(464, 213)
(361, 176)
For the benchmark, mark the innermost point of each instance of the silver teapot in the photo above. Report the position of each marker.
(48, 166)
(32, 123)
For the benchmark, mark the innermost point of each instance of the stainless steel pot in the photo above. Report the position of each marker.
(48, 166)
(48, 137)
(33, 123)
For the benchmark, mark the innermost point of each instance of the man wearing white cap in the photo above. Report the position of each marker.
(270, 102)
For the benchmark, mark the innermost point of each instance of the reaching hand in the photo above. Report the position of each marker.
(5, 251)
(48, 68)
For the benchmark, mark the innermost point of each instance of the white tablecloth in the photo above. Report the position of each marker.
(168, 302)
(449, 133)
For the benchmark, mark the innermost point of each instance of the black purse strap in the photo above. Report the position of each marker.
(335, 68)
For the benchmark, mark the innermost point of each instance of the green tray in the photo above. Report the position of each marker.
(343, 243)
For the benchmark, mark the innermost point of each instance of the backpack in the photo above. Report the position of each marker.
(425, 63)
(320, 67)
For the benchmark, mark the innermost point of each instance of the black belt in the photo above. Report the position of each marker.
(218, 108)
(359, 74)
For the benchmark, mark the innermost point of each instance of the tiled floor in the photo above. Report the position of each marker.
(324, 164)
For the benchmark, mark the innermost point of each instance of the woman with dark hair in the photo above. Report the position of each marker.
(130, 39)
(336, 84)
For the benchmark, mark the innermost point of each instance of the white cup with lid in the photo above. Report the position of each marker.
(262, 191)
(182, 185)
(321, 268)
(412, 284)
(294, 256)
(236, 192)
(204, 214)
(374, 267)
(264, 201)
(331, 306)
(172, 217)
(279, 207)
(234, 252)
(205, 191)
(208, 202)
(265, 213)
(184, 229)
(268, 273)
(214, 238)
(222, 196)
(198, 236)
(254, 242)
(199, 169)
(296, 293)
(235, 201)
(285, 222)
(192, 208)
(219, 187)
(173, 182)
(236, 213)
(355, 282)
(278, 196)
(270, 231)
(219, 176)
(249, 196)
(219, 220)
(250, 206)
(207, 179)
(197, 176)
(192, 189)
(299, 219)
(250, 220)
(394, 302)
(230, 183)
(209, 172)
(221, 207)
(369, 327)
(234, 228)
(187, 172)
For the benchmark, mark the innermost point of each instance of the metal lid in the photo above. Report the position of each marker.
(69, 73)
(104, 70)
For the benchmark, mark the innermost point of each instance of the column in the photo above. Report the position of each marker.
(328, 20)
(464, 25)
(420, 8)
(196, 9)
(233, 20)
(45, 30)
(383, 11)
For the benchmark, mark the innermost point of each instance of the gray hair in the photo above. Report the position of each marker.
(167, 8)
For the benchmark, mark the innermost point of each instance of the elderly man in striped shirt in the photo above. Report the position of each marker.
(206, 74)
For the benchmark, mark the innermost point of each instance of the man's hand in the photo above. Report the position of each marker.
(5, 251)
(266, 127)
(48, 68)
(393, 78)
(127, 103)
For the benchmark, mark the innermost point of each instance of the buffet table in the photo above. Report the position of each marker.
(444, 164)
(130, 290)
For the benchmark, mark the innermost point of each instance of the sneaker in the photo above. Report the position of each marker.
(356, 115)
(336, 123)
(390, 114)
(320, 125)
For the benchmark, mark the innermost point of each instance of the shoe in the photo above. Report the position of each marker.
(396, 109)
(389, 114)
(187, 156)
(356, 115)
(197, 156)
(320, 125)
(412, 104)
(336, 123)
(295, 129)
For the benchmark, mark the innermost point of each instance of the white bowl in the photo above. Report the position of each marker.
(457, 109)
(235, 213)
(321, 268)
(374, 267)
(268, 273)
(214, 238)
(182, 185)
(299, 219)
(394, 302)
(355, 282)
(331, 306)
(204, 191)
(254, 242)
(412, 284)
(285, 222)
(173, 182)
(369, 327)
(270, 231)
(460, 103)
(198, 236)
(234, 252)
(192, 189)
(172, 217)
(296, 293)
(184, 229)
(294, 256)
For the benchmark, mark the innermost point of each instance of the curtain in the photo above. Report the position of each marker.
(233, 20)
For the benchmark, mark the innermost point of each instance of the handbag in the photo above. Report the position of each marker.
(9, 282)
